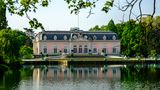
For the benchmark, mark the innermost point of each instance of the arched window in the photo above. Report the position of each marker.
(65, 37)
(74, 37)
(104, 50)
(86, 37)
(55, 49)
(75, 48)
(65, 49)
(45, 50)
(104, 37)
(114, 50)
(55, 37)
(80, 48)
(94, 37)
(85, 49)
(45, 37)
(114, 37)
(94, 49)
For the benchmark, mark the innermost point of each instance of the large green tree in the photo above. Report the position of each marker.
(111, 26)
(11, 41)
(131, 44)
(3, 21)
(138, 38)
(26, 51)
(151, 32)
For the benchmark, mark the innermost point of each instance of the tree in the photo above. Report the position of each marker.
(120, 27)
(26, 51)
(95, 28)
(10, 43)
(151, 32)
(22, 7)
(111, 26)
(3, 21)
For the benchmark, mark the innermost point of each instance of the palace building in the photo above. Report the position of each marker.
(76, 41)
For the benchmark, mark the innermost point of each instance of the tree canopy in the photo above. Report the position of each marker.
(23, 7)
(3, 21)
(137, 38)
(10, 43)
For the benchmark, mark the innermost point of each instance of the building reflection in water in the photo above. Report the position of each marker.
(61, 73)
(36, 78)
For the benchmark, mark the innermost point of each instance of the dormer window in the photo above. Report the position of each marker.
(104, 37)
(74, 37)
(45, 37)
(114, 37)
(94, 37)
(85, 36)
(65, 37)
(55, 37)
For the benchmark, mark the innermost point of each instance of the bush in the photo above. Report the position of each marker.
(153, 53)
(28, 56)
(26, 52)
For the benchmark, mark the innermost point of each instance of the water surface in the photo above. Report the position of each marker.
(101, 77)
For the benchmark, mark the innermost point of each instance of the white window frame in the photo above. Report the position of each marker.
(55, 47)
(66, 47)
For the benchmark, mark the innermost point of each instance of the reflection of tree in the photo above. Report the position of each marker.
(139, 73)
(10, 79)
(26, 72)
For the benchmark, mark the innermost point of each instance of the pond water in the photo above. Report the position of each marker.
(101, 77)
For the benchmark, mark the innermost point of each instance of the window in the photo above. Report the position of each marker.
(65, 37)
(114, 50)
(80, 49)
(104, 50)
(104, 37)
(94, 37)
(94, 50)
(45, 37)
(74, 37)
(85, 36)
(114, 37)
(65, 49)
(55, 37)
(55, 49)
(85, 49)
(45, 50)
(75, 49)
(114, 71)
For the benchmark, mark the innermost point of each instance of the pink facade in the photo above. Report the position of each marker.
(58, 42)
(61, 46)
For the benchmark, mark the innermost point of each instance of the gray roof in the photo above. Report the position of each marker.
(71, 34)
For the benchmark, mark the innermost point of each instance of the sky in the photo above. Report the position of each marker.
(57, 16)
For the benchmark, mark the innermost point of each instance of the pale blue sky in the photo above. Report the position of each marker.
(57, 16)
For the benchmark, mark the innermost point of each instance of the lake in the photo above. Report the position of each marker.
(82, 77)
